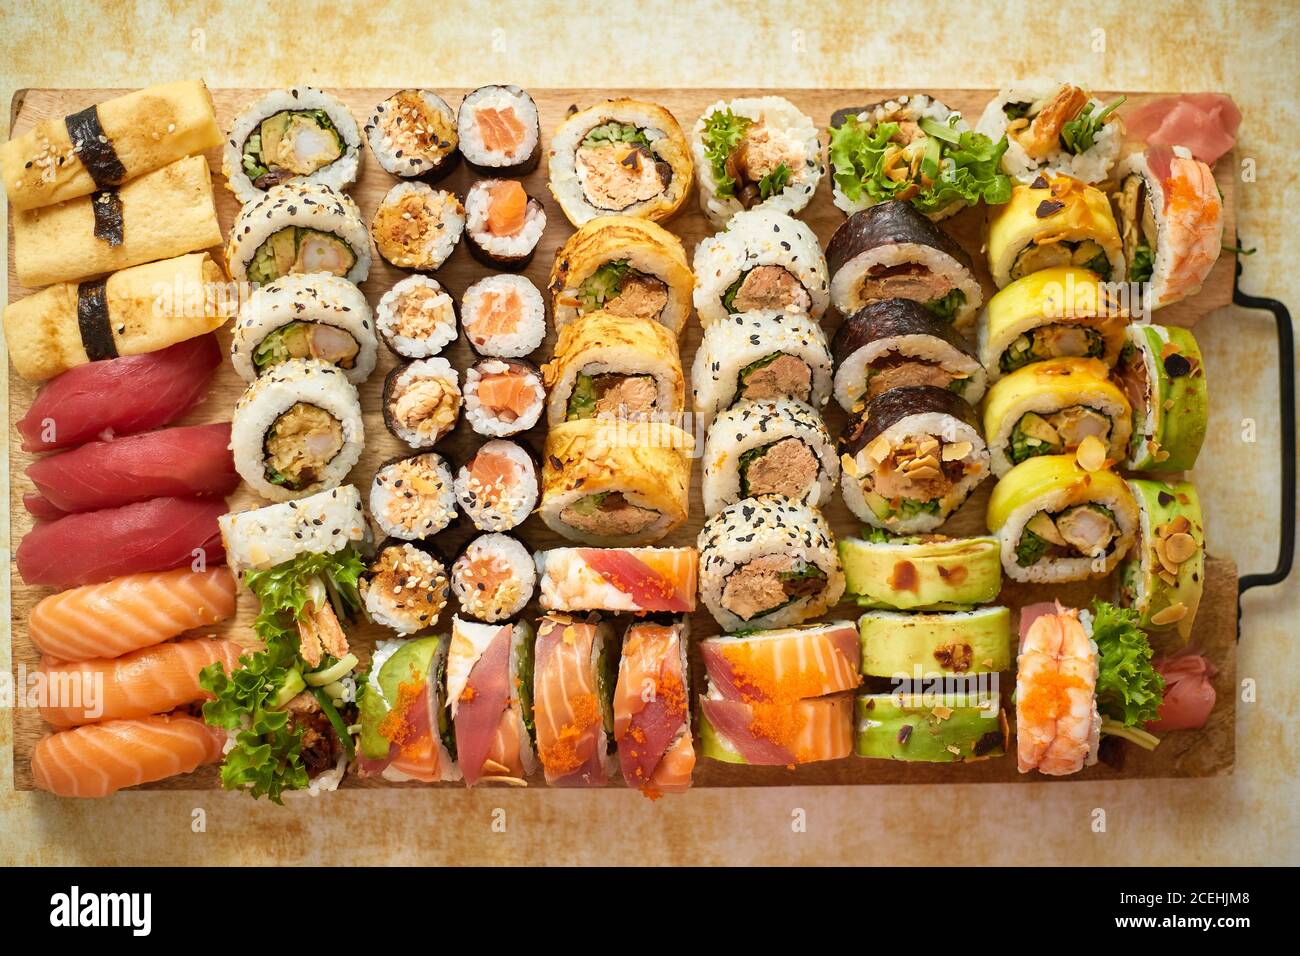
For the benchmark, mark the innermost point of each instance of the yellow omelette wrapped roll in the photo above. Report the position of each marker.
(162, 214)
(1054, 221)
(608, 366)
(1064, 312)
(626, 266)
(1057, 522)
(1049, 408)
(607, 482)
(141, 309)
(109, 143)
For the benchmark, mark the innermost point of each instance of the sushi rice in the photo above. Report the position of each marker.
(413, 498)
(328, 234)
(416, 317)
(1090, 166)
(271, 535)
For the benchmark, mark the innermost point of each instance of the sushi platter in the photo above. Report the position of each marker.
(360, 400)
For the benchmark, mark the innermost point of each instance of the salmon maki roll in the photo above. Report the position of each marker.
(652, 721)
(573, 679)
(504, 316)
(503, 223)
(99, 759)
(503, 396)
(130, 613)
(494, 577)
(497, 488)
(499, 130)
(152, 680)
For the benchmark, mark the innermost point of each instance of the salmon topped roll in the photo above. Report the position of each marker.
(574, 675)
(652, 711)
(499, 130)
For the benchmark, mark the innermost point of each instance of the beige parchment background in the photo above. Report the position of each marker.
(1246, 49)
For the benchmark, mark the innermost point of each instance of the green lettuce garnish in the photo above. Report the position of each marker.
(1129, 689)
(1143, 264)
(722, 133)
(774, 182)
(946, 307)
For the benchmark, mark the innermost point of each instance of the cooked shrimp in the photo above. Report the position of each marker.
(1057, 723)
(1194, 225)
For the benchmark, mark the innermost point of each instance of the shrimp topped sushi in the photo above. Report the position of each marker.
(1058, 727)
(1054, 128)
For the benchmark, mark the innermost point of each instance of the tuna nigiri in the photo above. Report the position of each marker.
(41, 508)
(153, 680)
(128, 613)
(104, 474)
(99, 759)
(155, 535)
(121, 395)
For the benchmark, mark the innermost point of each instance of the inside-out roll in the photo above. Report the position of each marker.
(623, 265)
(1062, 312)
(297, 430)
(1053, 222)
(771, 447)
(768, 562)
(615, 482)
(1049, 408)
(1162, 373)
(923, 572)
(891, 251)
(609, 366)
(755, 151)
(1170, 216)
(1058, 522)
(894, 342)
(764, 259)
(918, 645)
(1163, 576)
(298, 227)
(911, 457)
(322, 523)
(574, 675)
(69, 324)
(108, 143)
(760, 355)
(1054, 127)
(623, 157)
(291, 136)
(490, 696)
(305, 316)
(160, 215)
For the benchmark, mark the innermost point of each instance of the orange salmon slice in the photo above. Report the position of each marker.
(507, 208)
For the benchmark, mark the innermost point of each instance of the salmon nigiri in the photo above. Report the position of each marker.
(651, 713)
(152, 680)
(99, 759)
(128, 613)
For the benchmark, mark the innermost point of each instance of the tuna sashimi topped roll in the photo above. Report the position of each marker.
(406, 733)
(652, 710)
(789, 663)
(636, 580)
(490, 697)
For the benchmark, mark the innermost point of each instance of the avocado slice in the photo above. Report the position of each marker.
(947, 728)
(918, 574)
(273, 129)
(374, 745)
(968, 642)
(284, 250)
(413, 661)
(713, 746)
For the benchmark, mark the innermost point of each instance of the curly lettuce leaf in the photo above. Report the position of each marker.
(284, 589)
(1080, 133)
(722, 133)
(1129, 689)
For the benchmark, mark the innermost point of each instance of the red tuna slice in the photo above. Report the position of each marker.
(41, 508)
(120, 396)
(731, 720)
(1189, 695)
(1032, 612)
(173, 462)
(95, 546)
(478, 714)
(649, 590)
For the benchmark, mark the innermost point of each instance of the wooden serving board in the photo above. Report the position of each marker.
(1206, 752)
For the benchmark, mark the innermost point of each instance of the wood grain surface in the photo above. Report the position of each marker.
(1209, 751)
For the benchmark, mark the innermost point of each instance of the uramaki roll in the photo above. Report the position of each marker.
(611, 366)
(69, 324)
(163, 214)
(1062, 312)
(1049, 408)
(624, 265)
(1054, 221)
(1164, 574)
(615, 482)
(1162, 373)
(109, 143)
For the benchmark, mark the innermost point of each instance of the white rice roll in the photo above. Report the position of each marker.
(413, 498)
(417, 317)
(336, 239)
(503, 316)
(764, 259)
(911, 457)
(405, 588)
(776, 447)
(1029, 98)
(413, 134)
(494, 577)
(310, 143)
(422, 401)
(497, 488)
(301, 422)
(266, 537)
(333, 310)
(519, 151)
(495, 420)
(768, 553)
(790, 347)
(417, 226)
(783, 132)
(501, 250)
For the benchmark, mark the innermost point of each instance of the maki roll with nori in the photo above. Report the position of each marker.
(413, 135)
(417, 226)
(413, 498)
(503, 316)
(497, 488)
(406, 733)
(422, 401)
(499, 131)
(894, 342)
(416, 318)
(405, 587)
(891, 251)
(911, 457)
(503, 223)
(503, 396)
(494, 577)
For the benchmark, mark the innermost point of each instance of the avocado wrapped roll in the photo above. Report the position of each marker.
(1162, 373)
(1163, 576)
(921, 573)
(1054, 221)
(910, 458)
(1049, 408)
(891, 251)
(946, 728)
(1058, 522)
(894, 342)
(913, 645)
(1056, 313)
